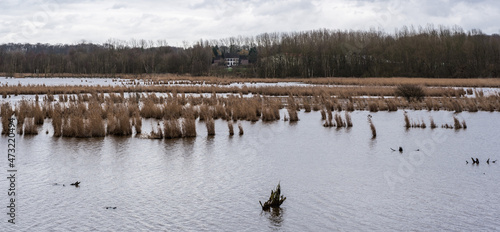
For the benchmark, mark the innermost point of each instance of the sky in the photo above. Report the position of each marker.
(181, 22)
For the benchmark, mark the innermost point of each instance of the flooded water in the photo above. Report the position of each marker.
(334, 179)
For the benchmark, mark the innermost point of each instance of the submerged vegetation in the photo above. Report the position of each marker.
(275, 199)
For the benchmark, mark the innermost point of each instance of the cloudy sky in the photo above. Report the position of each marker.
(175, 21)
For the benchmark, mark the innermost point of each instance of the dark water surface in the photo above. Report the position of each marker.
(334, 179)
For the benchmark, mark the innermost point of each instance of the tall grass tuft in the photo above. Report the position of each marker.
(433, 124)
(231, 129)
(189, 127)
(38, 114)
(407, 121)
(210, 123)
(240, 128)
(329, 119)
(323, 114)
(372, 127)
(457, 124)
(6, 113)
(338, 121)
(292, 114)
(57, 121)
(173, 129)
(29, 127)
(137, 124)
(348, 119)
(96, 124)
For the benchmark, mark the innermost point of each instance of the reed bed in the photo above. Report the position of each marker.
(340, 91)
(154, 79)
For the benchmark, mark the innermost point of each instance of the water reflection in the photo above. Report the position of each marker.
(275, 217)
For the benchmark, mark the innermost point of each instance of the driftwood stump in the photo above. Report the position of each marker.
(275, 200)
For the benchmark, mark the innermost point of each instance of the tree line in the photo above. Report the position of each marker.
(441, 52)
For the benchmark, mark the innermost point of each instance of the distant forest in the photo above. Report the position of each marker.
(442, 52)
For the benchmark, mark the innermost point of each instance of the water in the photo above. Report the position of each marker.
(334, 179)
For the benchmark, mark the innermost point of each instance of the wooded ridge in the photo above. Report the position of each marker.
(441, 52)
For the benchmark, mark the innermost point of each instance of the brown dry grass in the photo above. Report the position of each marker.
(230, 127)
(30, 127)
(372, 127)
(6, 113)
(240, 128)
(210, 123)
(188, 127)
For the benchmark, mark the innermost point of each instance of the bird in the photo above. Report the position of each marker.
(475, 161)
(488, 161)
(401, 149)
(494, 161)
(466, 162)
(76, 183)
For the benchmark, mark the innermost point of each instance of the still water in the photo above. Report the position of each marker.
(334, 179)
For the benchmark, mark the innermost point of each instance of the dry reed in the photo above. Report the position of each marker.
(188, 127)
(6, 113)
(210, 124)
(173, 129)
(240, 128)
(457, 124)
(372, 127)
(230, 127)
(30, 127)
(348, 119)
